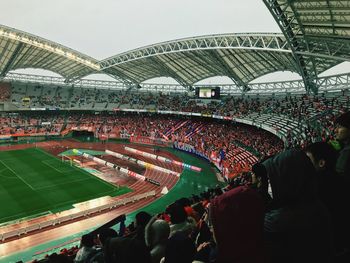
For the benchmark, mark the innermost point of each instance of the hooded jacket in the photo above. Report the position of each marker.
(237, 217)
(297, 229)
(292, 178)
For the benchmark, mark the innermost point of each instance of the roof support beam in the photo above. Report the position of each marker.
(9, 64)
(292, 28)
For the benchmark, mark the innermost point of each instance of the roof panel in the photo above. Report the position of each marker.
(23, 50)
(193, 59)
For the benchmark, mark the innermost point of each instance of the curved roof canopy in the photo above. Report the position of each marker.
(316, 37)
(241, 57)
(22, 50)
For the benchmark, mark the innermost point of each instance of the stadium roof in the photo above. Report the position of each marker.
(19, 49)
(241, 57)
(318, 33)
(315, 38)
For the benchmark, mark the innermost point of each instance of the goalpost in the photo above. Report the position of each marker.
(66, 158)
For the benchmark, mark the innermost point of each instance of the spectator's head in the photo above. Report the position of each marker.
(184, 202)
(259, 172)
(179, 248)
(142, 218)
(342, 131)
(322, 155)
(87, 240)
(237, 217)
(105, 234)
(177, 213)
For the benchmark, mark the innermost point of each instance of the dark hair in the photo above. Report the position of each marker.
(259, 170)
(87, 240)
(344, 120)
(177, 213)
(184, 201)
(107, 233)
(142, 218)
(198, 208)
(323, 151)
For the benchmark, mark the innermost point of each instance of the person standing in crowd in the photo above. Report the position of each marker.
(332, 191)
(297, 227)
(342, 133)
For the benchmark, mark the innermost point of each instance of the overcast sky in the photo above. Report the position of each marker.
(105, 28)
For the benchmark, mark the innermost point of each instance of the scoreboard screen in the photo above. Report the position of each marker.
(208, 92)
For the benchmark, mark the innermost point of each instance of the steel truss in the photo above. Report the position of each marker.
(317, 32)
(329, 83)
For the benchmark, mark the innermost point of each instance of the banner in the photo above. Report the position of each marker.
(191, 149)
(149, 140)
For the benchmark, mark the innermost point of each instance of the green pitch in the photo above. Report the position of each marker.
(33, 182)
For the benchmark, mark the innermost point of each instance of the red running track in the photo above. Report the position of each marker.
(54, 147)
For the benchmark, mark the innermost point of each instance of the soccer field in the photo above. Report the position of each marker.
(33, 181)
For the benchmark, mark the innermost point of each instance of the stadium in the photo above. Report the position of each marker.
(80, 155)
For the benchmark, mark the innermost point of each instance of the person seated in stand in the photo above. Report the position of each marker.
(156, 235)
(86, 248)
(103, 235)
(179, 219)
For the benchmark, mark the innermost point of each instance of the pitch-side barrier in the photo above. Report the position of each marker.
(142, 163)
(116, 167)
(163, 159)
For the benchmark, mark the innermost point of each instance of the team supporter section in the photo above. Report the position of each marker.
(299, 119)
(235, 147)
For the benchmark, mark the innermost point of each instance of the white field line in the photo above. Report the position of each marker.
(19, 177)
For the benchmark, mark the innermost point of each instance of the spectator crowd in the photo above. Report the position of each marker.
(287, 205)
(291, 207)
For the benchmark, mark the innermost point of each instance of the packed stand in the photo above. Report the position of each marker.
(311, 113)
(281, 211)
(22, 124)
